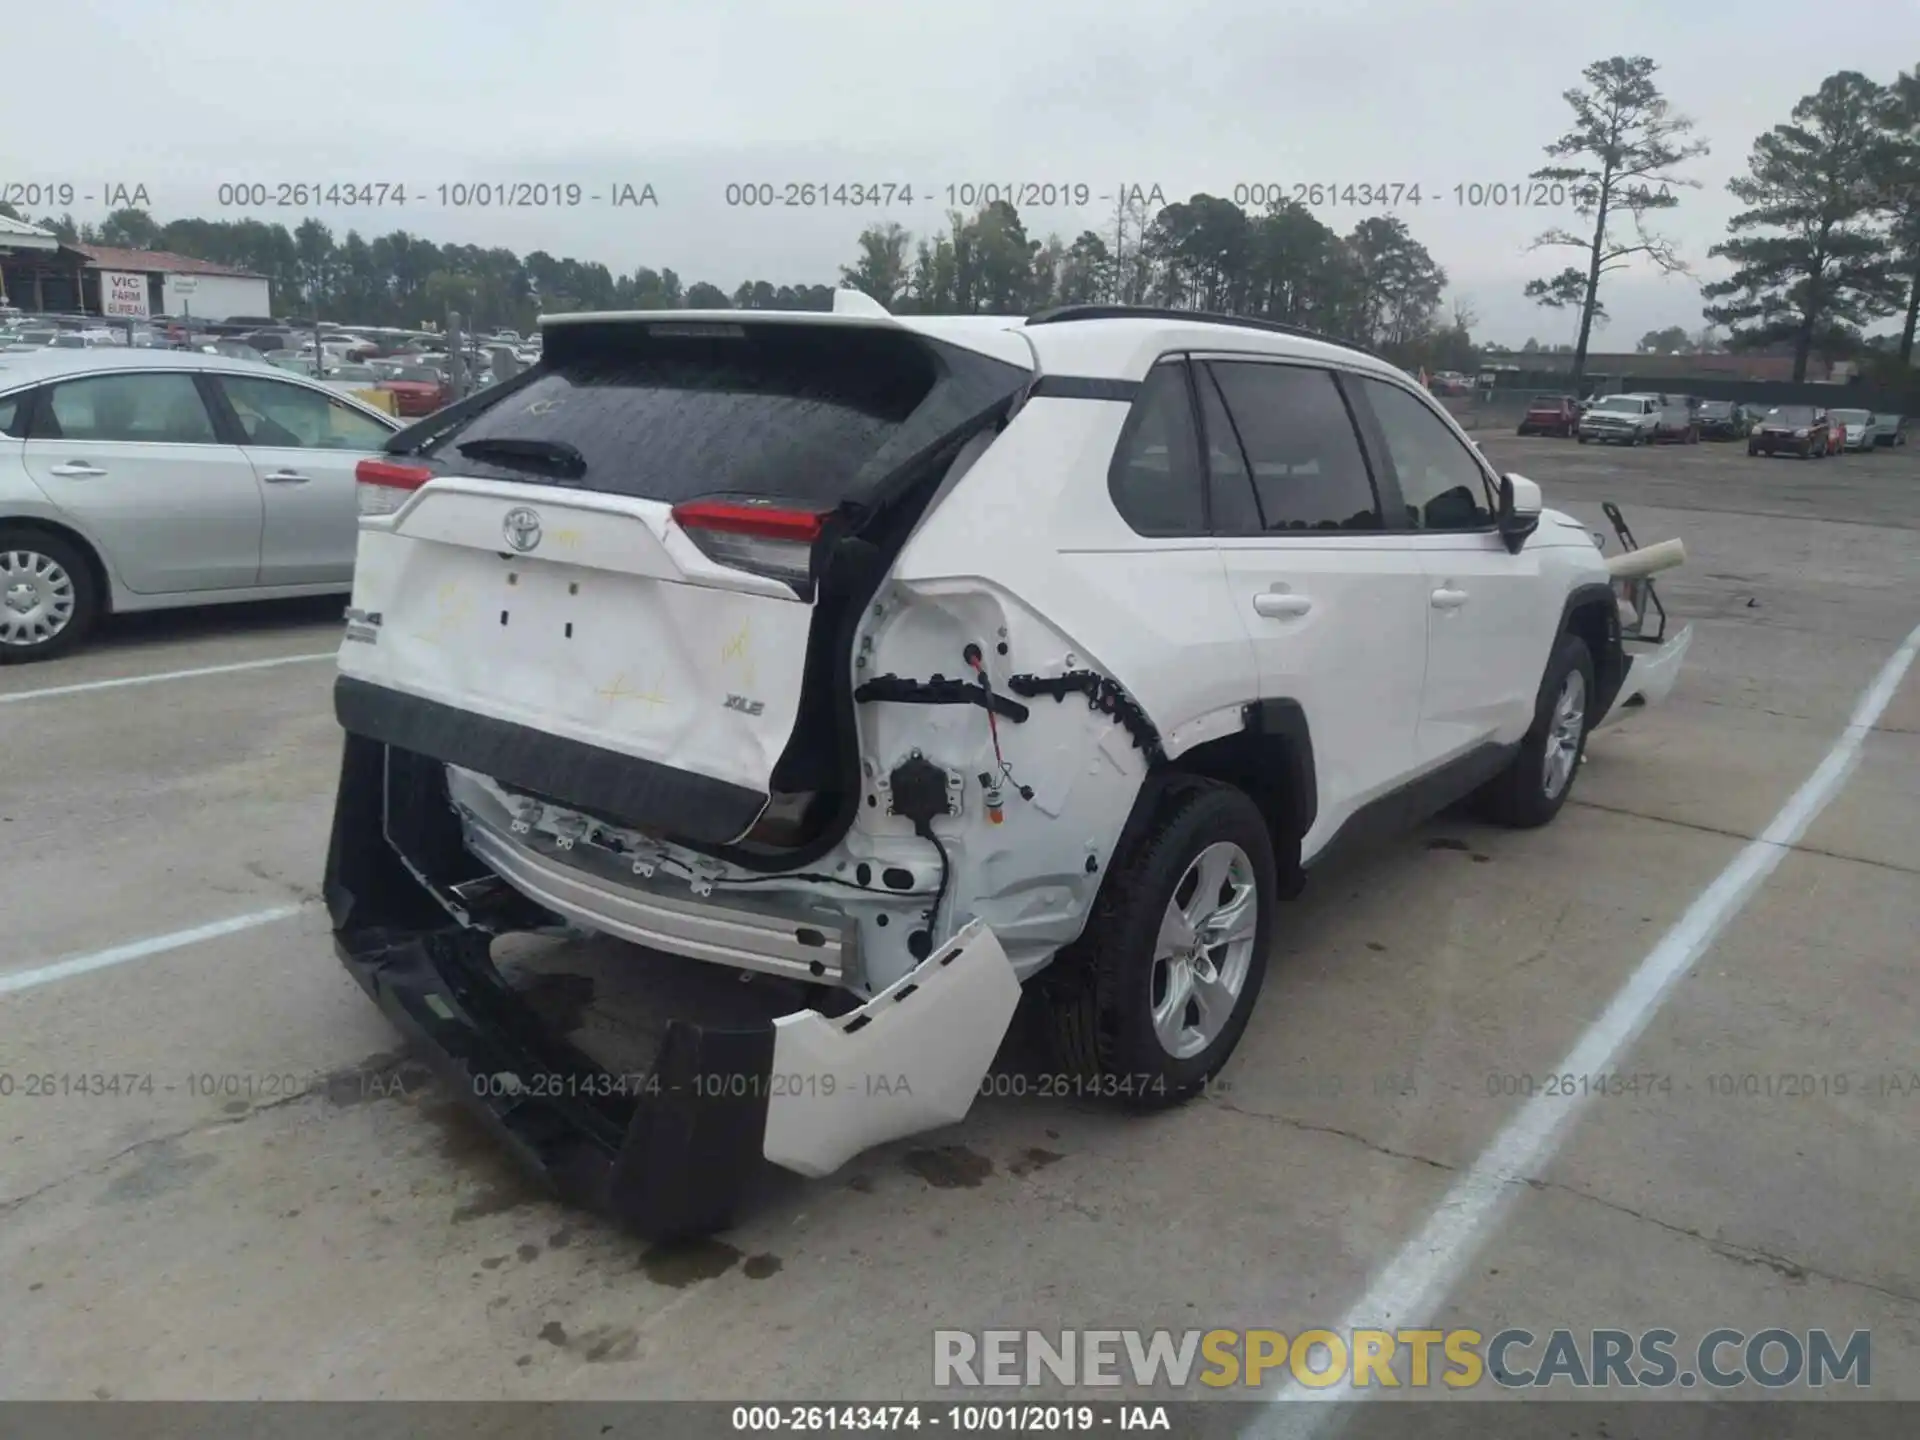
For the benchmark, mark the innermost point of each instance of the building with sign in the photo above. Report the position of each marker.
(38, 272)
(173, 285)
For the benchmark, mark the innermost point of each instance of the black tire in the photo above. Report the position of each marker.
(1100, 990)
(1520, 796)
(1753, 450)
(64, 577)
(1583, 438)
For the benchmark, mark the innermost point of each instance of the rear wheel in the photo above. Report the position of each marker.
(1536, 783)
(48, 599)
(1151, 1000)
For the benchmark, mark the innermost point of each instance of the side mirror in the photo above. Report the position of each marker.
(1519, 513)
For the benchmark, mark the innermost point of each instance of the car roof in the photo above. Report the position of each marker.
(21, 369)
(1109, 342)
(28, 367)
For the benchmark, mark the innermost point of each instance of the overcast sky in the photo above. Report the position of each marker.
(689, 96)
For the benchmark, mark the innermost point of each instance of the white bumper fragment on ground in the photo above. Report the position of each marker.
(1651, 673)
(910, 1059)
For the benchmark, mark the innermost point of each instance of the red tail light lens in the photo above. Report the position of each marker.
(384, 485)
(761, 539)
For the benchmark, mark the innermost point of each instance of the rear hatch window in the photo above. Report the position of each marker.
(672, 412)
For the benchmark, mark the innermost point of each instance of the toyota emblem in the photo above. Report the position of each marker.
(522, 528)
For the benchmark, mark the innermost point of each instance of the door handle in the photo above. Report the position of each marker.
(1446, 598)
(78, 467)
(285, 477)
(1278, 604)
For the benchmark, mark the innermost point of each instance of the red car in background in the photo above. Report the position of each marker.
(1550, 415)
(416, 389)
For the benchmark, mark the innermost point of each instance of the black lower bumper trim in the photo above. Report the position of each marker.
(669, 1151)
(619, 788)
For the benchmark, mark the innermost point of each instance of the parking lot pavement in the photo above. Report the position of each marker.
(359, 1238)
(284, 632)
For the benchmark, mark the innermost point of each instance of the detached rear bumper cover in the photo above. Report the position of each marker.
(670, 1151)
(1651, 673)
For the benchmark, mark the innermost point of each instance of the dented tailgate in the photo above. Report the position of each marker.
(608, 635)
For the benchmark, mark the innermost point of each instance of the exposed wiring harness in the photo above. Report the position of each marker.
(991, 781)
(924, 829)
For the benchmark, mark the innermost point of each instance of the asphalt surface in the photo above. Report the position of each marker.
(289, 1209)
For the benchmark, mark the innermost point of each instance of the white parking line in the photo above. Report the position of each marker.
(1429, 1265)
(53, 690)
(141, 949)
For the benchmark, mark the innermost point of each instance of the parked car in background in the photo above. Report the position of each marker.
(1856, 429)
(348, 378)
(266, 341)
(1550, 415)
(1889, 429)
(255, 469)
(1620, 420)
(1722, 420)
(417, 389)
(1790, 430)
(1675, 420)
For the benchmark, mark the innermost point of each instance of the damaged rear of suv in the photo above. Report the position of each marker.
(899, 663)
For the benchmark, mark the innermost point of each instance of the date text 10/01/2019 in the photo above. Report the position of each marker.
(455, 195)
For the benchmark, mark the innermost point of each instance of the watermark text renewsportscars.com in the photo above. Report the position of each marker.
(1416, 1359)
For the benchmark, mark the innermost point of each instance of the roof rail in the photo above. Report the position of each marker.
(1061, 313)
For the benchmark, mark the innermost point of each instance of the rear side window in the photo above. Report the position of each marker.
(677, 412)
(1308, 469)
(1155, 476)
(11, 414)
(160, 408)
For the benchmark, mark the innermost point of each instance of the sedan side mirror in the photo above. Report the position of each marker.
(1519, 511)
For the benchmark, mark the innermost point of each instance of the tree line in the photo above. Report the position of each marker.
(1828, 243)
(1376, 285)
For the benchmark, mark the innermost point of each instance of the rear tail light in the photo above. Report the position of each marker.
(384, 485)
(760, 539)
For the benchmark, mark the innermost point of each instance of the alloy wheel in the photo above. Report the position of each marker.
(1204, 950)
(1563, 738)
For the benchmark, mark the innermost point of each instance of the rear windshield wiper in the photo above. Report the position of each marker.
(555, 457)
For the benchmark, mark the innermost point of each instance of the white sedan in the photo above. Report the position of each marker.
(145, 479)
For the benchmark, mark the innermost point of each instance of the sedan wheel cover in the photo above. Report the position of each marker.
(1204, 951)
(1563, 738)
(37, 598)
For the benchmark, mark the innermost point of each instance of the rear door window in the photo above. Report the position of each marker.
(1309, 472)
(678, 411)
(164, 409)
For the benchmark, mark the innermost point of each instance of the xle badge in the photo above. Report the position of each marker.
(744, 705)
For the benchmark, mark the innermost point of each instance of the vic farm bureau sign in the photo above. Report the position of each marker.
(122, 294)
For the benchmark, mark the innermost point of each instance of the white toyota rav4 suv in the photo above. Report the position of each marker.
(894, 663)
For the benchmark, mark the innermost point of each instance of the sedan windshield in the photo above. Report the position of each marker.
(1790, 415)
(1852, 417)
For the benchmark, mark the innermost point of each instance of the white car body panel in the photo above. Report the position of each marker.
(619, 634)
(910, 1059)
(1358, 651)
